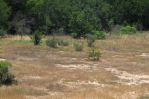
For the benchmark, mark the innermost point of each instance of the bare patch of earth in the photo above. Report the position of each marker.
(77, 66)
(145, 55)
(128, 78)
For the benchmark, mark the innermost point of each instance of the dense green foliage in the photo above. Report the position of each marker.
(2, 32)
(99, 34)
(37, 37)
(5, 76)
(78, 17)
(4, 14)
(128, 30)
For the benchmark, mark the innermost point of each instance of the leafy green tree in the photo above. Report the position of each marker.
(4, 14)
(75, 16)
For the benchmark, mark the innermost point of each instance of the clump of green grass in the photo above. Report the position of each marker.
(5, 77)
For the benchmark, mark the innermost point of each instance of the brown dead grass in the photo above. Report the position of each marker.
(39, 77)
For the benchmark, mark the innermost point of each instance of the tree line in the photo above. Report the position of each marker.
(71, 16)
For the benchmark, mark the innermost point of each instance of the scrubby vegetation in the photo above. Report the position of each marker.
(37, 37)
(6, 78)
(55, 42)
(128, 30)
(91, 39)
(52, 42)
(99, 34)
(62, 42)
(94, 54)
(78, 47)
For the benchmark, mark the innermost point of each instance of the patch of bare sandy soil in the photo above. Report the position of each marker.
(128, 78)
(145, 55)
(88, 67)
(79, 84)
(2, 59)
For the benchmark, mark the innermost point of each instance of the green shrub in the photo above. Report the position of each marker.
(79, 26)
(63, 43)
(128, 30)
(52, 42)
(91, 39)
(5, 77)
(74, 35)
(94, 55)
(99, 34)
(78, 47)
(37, 37)
(2, 32)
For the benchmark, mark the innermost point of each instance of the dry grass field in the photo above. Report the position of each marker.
(63, 73)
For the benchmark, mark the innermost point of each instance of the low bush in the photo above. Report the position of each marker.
(74, 35)
(37, 37)
(94, 55)
(128, 30)
(64, 43)
(54, 42)
(78, 47)
(5, 77)
(99, 34)
(91, 39)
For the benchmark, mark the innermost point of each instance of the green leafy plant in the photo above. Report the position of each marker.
(128, 30)
(78, 47)
(99, 34)
(91, 39)
(94, 55)
(37, 37)
(74, 35)
(5, 77)
(52, 42)
(63, 43)
(55, 42)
